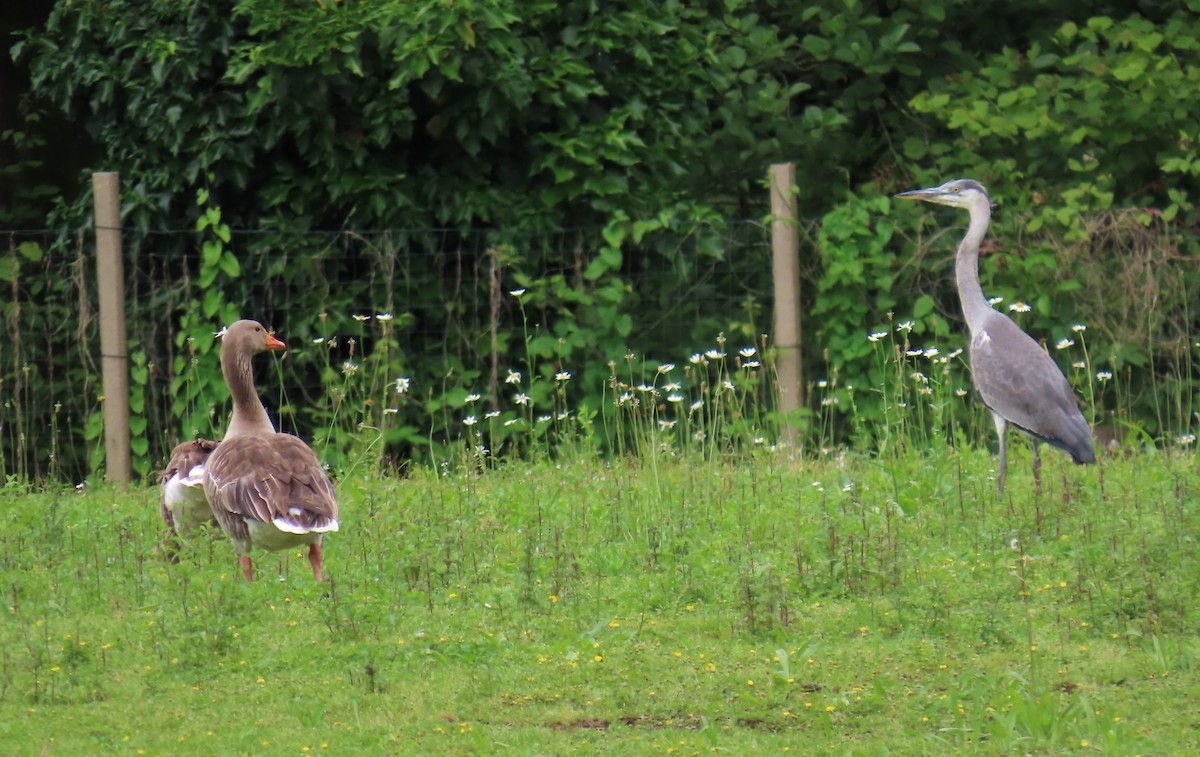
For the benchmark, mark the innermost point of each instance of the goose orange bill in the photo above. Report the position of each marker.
(275, 344)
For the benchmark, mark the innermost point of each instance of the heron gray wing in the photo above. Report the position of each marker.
(1017, 379)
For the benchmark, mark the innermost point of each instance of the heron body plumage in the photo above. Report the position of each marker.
(1015, 377)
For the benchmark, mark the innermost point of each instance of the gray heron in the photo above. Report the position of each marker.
(1015, 377)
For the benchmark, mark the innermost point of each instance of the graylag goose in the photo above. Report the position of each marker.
(182, 502)
(266, 489)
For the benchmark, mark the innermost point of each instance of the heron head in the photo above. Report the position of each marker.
(960, 193)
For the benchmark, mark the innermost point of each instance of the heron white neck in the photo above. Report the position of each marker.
(249, 415)
(966, 269)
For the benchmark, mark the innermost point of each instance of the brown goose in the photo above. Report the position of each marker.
(266, 489)
(182, 501)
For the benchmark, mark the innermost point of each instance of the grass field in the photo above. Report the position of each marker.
(844, 605)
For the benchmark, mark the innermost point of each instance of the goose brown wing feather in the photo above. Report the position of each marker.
(184, 457)
(264, 477)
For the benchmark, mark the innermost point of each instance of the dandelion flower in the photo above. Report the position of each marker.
(402, 384)
(1064, 343)
(562, 376)
(1019, 307)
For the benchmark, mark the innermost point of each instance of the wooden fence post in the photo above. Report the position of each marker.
(114, 354)
(785, 255)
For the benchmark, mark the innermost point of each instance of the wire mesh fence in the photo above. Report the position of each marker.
(448, 294)
(455, 329)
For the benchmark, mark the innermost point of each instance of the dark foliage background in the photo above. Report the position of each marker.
(303, 163)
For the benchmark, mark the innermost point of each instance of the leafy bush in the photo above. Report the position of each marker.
(424, 159)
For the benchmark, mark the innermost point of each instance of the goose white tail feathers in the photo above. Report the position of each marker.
(293, 523)
(189, 480)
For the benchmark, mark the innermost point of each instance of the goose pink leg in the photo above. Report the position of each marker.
(247, 568)
(315, 559)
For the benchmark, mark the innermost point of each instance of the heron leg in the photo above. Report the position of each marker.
(1001, 427)
(1037, 468)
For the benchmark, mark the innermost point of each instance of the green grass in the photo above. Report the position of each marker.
(842, 605)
